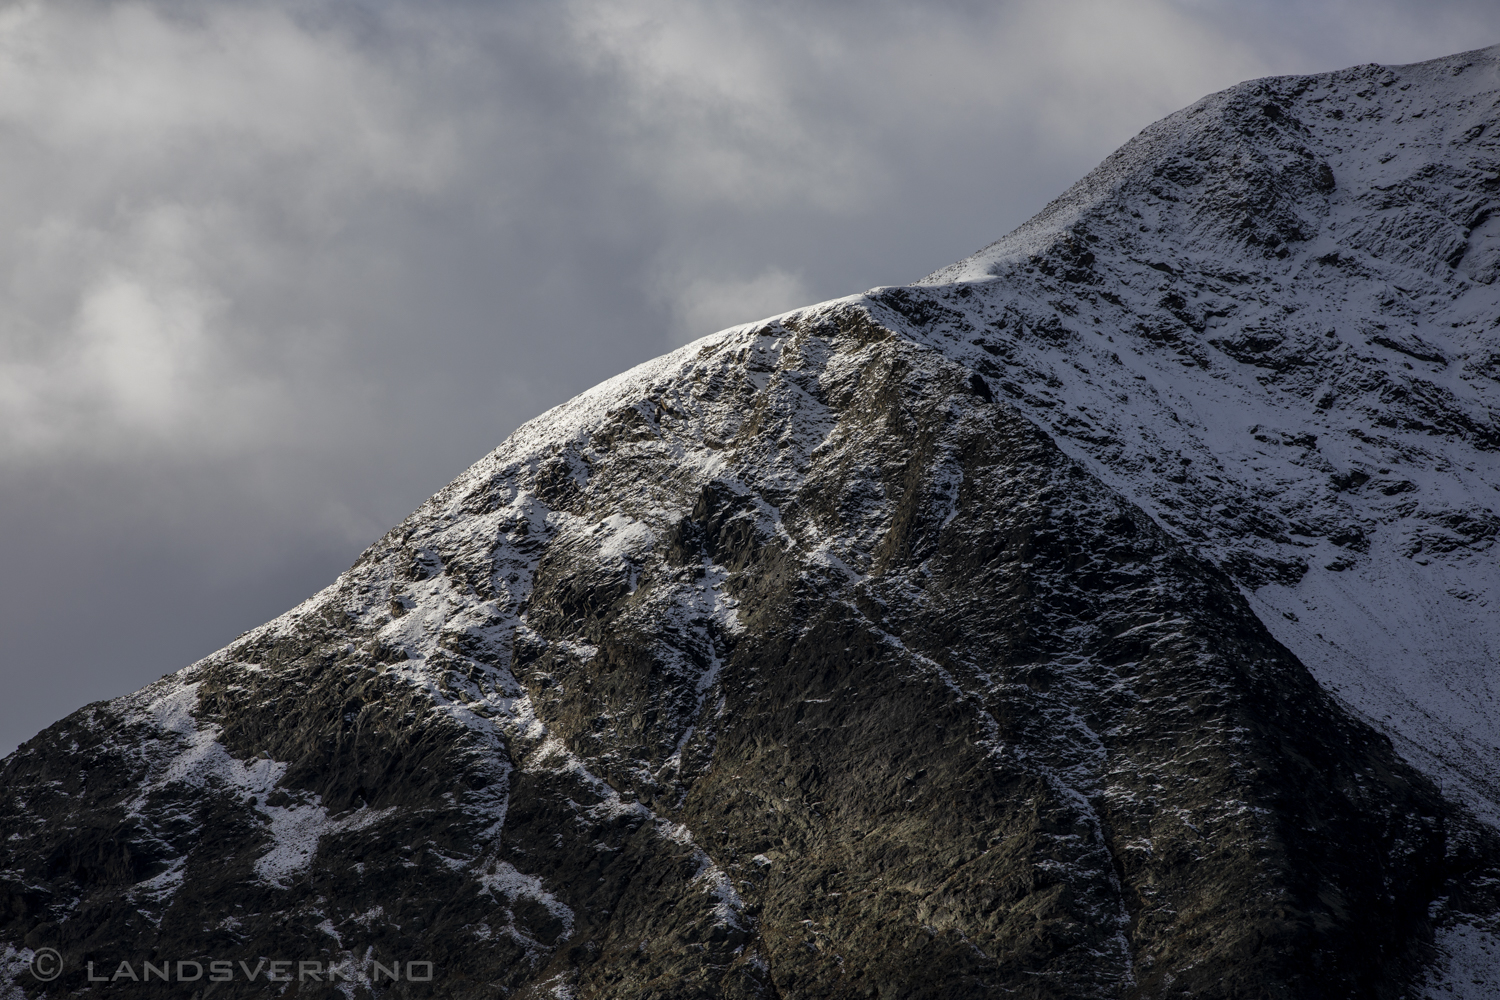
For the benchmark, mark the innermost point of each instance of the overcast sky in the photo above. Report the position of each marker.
(272, 273)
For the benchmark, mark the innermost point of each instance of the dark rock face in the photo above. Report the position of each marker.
(801, 663)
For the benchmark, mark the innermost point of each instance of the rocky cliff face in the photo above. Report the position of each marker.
(1105, 616)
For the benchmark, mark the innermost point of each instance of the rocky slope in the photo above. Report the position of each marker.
(1107, 615)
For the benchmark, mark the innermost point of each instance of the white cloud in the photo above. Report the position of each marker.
(703, 305)
(709, 102)
(169, 179)
(216, 97)
(139, 348)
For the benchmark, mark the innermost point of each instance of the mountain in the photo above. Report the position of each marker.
(1110, 614)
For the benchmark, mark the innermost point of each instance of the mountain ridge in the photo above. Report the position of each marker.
(946, 640)
(1428, 245)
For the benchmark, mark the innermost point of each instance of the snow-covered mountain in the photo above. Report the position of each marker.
(1108, 614)
(1274, 317)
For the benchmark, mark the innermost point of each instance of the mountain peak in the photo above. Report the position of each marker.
(1253, 166)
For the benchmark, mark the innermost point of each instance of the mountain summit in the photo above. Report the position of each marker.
(1110, 614)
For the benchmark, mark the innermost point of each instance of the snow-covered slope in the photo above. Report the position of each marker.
(1272, 320)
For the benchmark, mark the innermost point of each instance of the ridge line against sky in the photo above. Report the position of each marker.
(274, 273)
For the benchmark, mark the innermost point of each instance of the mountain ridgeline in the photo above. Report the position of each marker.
(1112, 614)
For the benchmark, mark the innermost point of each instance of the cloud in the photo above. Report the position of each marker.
(720, 102)
(168, 179)
(219, 96)
(703, 305)
(142, 360)
(139, 348)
